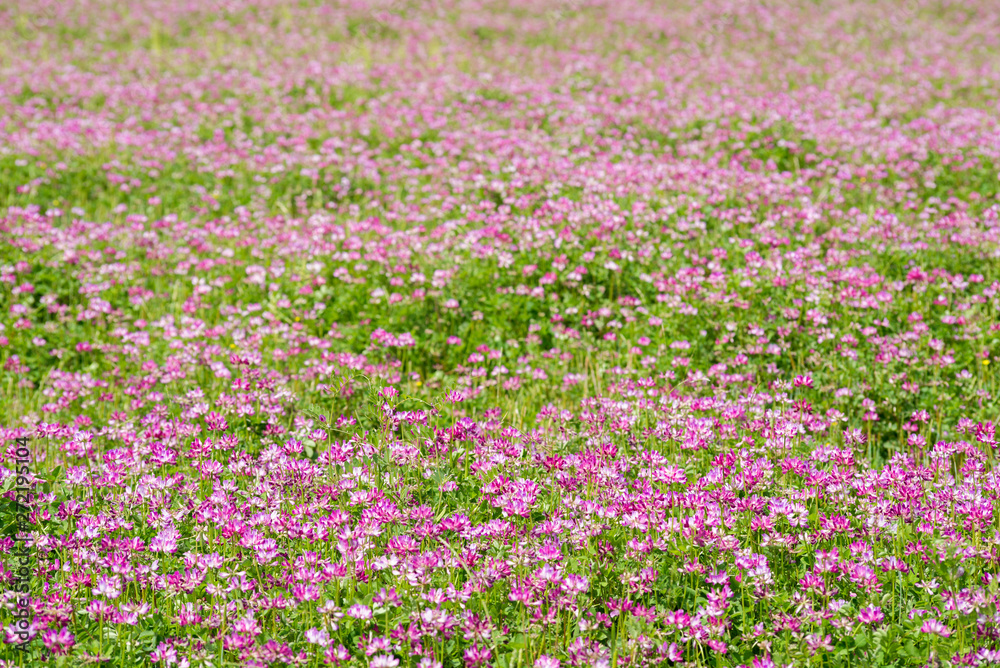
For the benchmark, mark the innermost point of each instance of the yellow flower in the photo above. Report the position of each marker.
(986, 361)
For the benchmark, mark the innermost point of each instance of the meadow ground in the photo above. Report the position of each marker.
(450, 333)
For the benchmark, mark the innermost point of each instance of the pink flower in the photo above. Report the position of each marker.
(870, 615)
(717, 646)
(934, 626)
(336, 655)
(99, 610)
(476, 656)
(109, 587)
(359, 611)
(59, 642)
(165, 653)
(318, 637)
(675, 653)
(817, 642)
(574, 584)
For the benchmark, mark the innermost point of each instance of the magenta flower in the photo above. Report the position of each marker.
(476, 656)
(870, 615)
(359, 611)
(58, 642)
(697, 306)
(336, 655)
(675, 653)
(934, 626)
(99, 610)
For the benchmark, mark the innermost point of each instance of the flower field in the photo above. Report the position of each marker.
(461, 333)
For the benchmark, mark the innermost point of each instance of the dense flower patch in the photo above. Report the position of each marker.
(502, 334)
